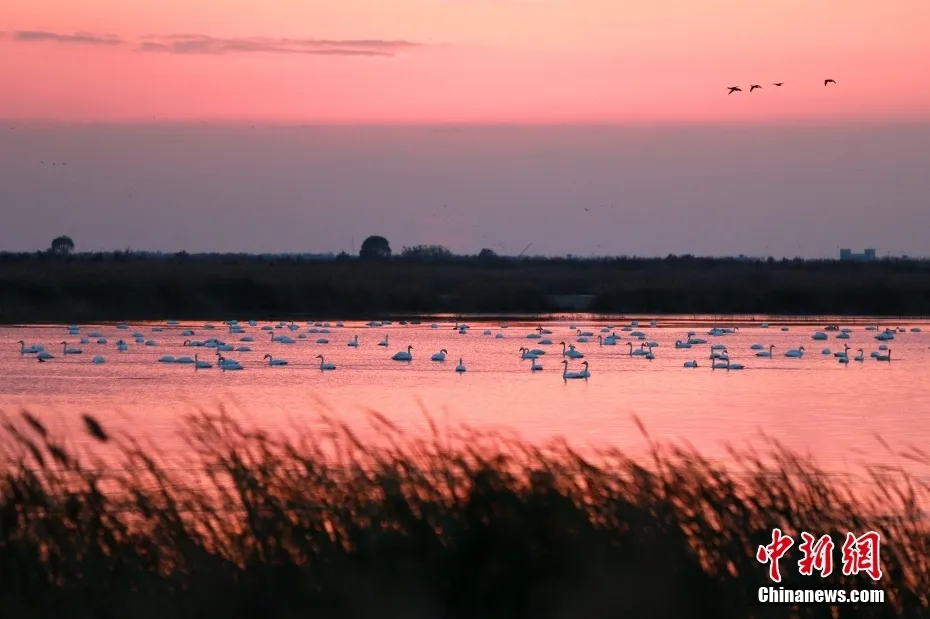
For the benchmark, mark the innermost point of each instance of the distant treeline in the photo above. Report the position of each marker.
(126, 285)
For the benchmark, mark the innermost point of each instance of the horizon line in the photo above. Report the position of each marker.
(800, 121)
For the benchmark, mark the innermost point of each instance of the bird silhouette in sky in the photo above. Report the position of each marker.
(753, 87)
(778, 84)
(733, 89)
(828, 81)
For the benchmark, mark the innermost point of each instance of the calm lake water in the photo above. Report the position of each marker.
(812, 403)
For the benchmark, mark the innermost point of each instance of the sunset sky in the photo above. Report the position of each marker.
(170, 125)
(362, 61)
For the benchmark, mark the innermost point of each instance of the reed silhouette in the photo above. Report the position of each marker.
(46, 287)
(461, 524)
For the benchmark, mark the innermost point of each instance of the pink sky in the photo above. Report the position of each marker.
(469, 60)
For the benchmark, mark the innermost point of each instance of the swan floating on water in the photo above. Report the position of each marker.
(274, 362)
(69, 350)
(585, 374)
(460, 367)
(324, 365)
(228, 364)
(403, 355)
(439, 356)
(29, 350)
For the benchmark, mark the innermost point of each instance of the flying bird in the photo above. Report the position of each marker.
(825, 82)
(778, 84)
(733, 89)
(753, 87)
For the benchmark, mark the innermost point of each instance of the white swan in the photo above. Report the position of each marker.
(98, 360)
(282, 339)
(571, 352)
(272, 361)
(322, 340)
(28, 350)
(795, 352)
(460, 367)
(353, 342)
(884, 357)
(403, 355)
(844, 353)
(691, 364)
(860, 356)
(680, 344)
(324, 365)
(228, 364)
(439, 356)
(526, 353)
(201, 365)
(585, 373)
(734, 366)
(766, 353)
(535, 367)
(68, 350)
(383, 342)
(166, 359)
(566, 374)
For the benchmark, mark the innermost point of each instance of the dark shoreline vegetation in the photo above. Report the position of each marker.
(98, 287)
(457, 525)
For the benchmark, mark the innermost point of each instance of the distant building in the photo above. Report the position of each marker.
(846, 255)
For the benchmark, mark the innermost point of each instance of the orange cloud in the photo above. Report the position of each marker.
(204, 44)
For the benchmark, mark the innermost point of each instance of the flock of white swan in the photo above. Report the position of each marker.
(638, 343)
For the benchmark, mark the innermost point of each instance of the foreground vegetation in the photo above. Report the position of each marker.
(50, 287)
(466, 526)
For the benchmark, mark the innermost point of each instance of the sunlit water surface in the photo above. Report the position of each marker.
(813, 404)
